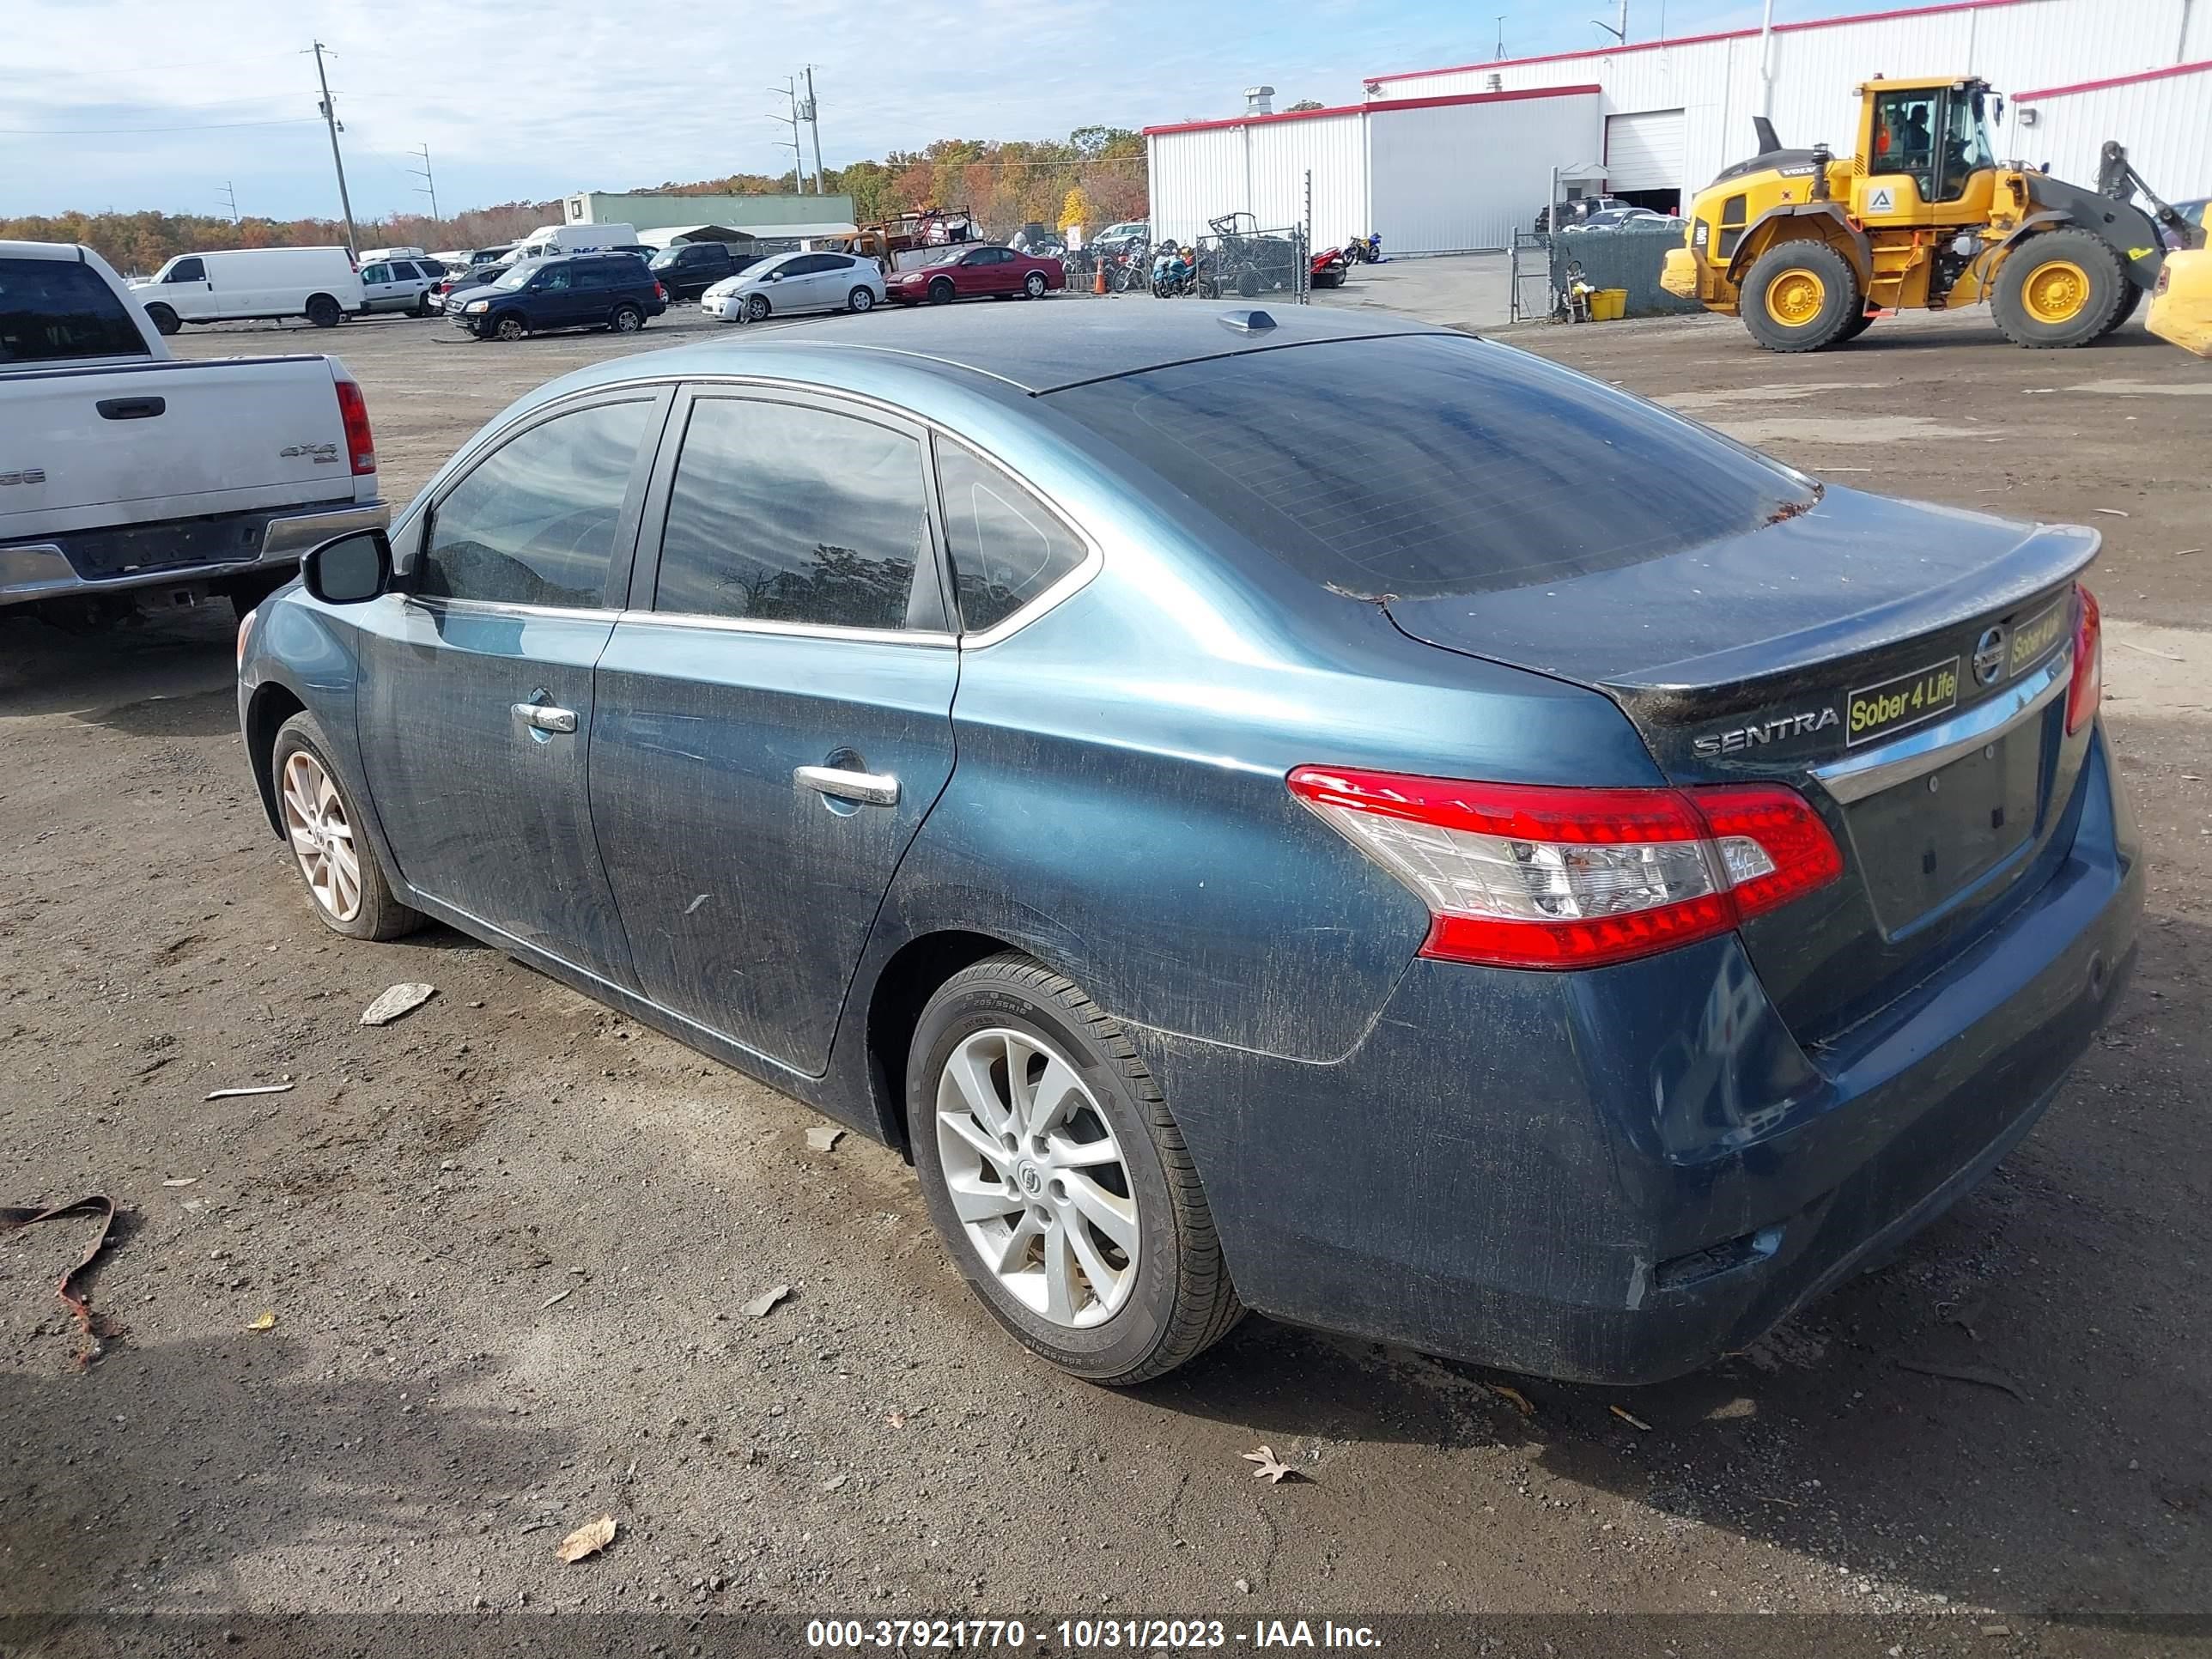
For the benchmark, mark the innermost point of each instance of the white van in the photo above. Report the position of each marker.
(569, 239)
(319, 283)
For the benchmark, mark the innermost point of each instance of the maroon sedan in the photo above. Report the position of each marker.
(966, 271)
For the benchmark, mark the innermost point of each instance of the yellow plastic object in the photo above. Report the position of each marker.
(2181, 305)
(1608, 305)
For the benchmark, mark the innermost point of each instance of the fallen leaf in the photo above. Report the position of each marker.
(897, 1420)
(1630, 1417)
(266, 1323)
(759, 1307)
(1270, 1470)
(183, 1181)
(588, 1539)
(400, 1000)
(258, 1088)
(1522, 1403)
(823, 1140)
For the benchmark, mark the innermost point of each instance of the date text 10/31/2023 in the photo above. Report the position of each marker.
(1089, 1635)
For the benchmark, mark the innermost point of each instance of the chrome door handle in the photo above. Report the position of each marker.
(545, 718)
(872, 789)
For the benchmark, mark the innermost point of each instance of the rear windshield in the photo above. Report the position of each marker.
(1429, 464)
(53, 310)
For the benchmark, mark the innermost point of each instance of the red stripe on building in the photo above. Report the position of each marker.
(2115, 81)
(1372, 106)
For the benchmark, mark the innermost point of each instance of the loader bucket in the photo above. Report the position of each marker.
(2181, 304)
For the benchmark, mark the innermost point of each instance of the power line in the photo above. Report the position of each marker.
(206, 126)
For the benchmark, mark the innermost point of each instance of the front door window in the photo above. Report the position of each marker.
(1905, 138)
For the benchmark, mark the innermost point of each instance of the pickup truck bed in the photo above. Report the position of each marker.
(128, 478)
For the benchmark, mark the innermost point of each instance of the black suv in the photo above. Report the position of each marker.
(689, 270)
(575, 291)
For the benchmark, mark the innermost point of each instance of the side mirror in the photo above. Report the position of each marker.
(348, 570)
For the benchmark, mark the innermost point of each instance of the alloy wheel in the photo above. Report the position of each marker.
(1037, 1178)
(322, 836)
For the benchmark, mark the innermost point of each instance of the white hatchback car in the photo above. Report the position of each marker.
(793, 282)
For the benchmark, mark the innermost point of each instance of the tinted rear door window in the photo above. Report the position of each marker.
(52, 310)
(780, 512)
(1007, 547)
(1430, 464)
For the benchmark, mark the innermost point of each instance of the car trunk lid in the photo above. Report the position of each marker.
(1904, 666)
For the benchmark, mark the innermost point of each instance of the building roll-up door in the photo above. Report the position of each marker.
(1644, 152)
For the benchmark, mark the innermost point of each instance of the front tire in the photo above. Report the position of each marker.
(509, 327)
(329, 849)
(1799, 296)
(1058, 1179)
(324, 312)
(2060, 288)
(941, 292)
(164, 319)
(757, 308)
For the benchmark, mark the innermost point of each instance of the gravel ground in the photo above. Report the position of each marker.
(506, 1242)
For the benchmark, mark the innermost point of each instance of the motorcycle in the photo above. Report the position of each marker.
(1179, 270)
(1364, 250)
(1328, 269)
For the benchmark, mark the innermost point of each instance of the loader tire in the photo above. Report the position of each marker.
(1857, 325)
(2128, 306)
(2059, 290)
(1799, 296)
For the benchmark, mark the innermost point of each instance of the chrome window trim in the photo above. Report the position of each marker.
(1918, 753)
(510, 608)
(692, 620)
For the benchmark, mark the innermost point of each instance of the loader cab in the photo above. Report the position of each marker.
(1924, 156)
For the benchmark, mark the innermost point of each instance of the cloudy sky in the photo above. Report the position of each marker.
(131, 104)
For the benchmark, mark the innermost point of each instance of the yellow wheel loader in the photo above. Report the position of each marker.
(1806, 246)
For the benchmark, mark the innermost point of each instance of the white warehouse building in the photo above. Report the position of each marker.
(1657, 119)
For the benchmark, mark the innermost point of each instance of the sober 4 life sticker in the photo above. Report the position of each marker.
(1905, 701)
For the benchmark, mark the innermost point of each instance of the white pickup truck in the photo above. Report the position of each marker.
(128, 480)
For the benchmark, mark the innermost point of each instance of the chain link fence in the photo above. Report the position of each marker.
(1245, 261)
(1624, 257)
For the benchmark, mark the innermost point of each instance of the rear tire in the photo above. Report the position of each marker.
(860, 299)
(2127, 309)
(1799, 296)
(2059, 290)
(626, 320)
(164, 319)
(1178, 1299)
(375, 913)
(324, 312)
(1034, 285)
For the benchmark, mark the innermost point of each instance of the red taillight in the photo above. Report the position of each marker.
(2087, 689)
(353, 409)
(660, 294)
(1529, 876)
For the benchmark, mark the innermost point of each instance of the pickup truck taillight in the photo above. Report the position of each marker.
(353, 408)
(2086, 689)
(1529, 876)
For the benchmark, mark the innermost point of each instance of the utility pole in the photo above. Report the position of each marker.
(1767, 62)
(1619, 31)
(814, 126)
(790, 90)
(1500, 54)
(230, 197)
(429, 186)
(331, 119)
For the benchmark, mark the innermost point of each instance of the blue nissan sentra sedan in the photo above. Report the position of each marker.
(1284, 812)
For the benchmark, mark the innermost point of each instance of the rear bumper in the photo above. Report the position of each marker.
(36, 570)
(1618, 1176)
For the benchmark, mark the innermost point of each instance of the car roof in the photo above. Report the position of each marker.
(1036, 350)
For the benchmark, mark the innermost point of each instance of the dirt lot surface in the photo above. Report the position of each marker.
(505, 1241)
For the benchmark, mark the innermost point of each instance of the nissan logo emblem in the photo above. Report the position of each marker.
(1989, 656)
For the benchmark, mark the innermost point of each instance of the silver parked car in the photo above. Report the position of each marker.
(793, 282)
(400, 285)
